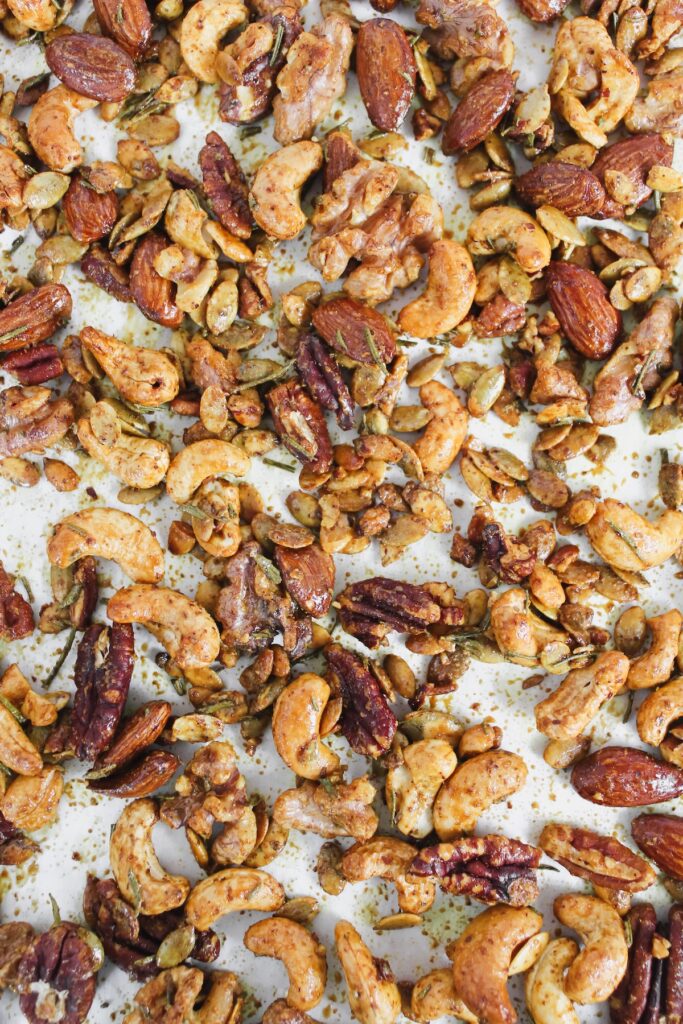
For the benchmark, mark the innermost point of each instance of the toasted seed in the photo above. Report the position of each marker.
(105, 424)
(393, 922)
(302, 909)
(425, 370)
(19, 471)
(45, 189)
(561, 754)
(61, 476)
(176, 947)
(508, 463)
(533, 110)
(401, 675)
(547, 488)
(513, 281)
(483, 462)
(664, 179)
(139, 495)
(328, 867)
(470, 167)
(642, 285)
(491, 194)
(305, 508)
(477, 481)
(559, 225)
(406, 419)
(486, 391)
(213, 409)
(630, 631)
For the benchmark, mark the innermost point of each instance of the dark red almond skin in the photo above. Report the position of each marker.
(571, 189)
(89, 215)
(672, 989)
(344, 324)
(386, 70)
(39, 312)
(127, 22)
(98, 266)
(482, 110)
(145, 776)
(635, 157)
(153, 294)
(660, 837)
(626, 777)
(580, 302)
(93, 66)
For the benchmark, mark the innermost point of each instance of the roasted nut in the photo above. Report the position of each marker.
(627, 541)
(139, 875)
(390, 859)
(34, 316)
(301, 953)
(300, 425)
(330, 810)
(153, 295)
(632, 996)
(135, 735)
(186, 630)
(544, 986)
(433, 996)
(276, 187)
(141, 778)
(386, 70)
(142, 376)
(573, 291)
(172, 996)
(103, 671)
(202, 29)
(602, 962)
(58, 971)
(225, 186)
(18, 753)
(626, 777)
(366, 720)
(448, 295)
(512, 626)
(602, 860)
(30, 802)
(127, 22)
(473, 787)
(92, 66)
(296, 728)
(567, 712)
(199, 461)
(660, 836)
(108, 533)
(355, 330)
(308, 577)
(15, 847)
(51, 128)
(505, 229)
(230, 890)
(575, 191)
(445, 433)
(656, 664)
(412, 785)
(136, 461)
(480, 112)
(372, 992)
(492, 869)
(16, 614)
(322, 376)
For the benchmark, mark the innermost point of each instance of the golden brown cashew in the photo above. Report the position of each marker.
(143, 376)
(568, 711)
(473, 787)
(505, 229)
(628, 541)
(194, 464)
(136, 461)
(38, 15)
(659, 710)
(388, 858)
(230, 890)
(544, 987)
(296, 727)
(434, 996)
(448, 296)
(202, 29)
(185, 629)
(481, 959)
(51, 128)
(301, 953)
(444, 434)
(601, 964)
(277, 185)
(373, 994)
(108, 533)
(656, 664)
(135, 865)
(412, 785)
(513, 627)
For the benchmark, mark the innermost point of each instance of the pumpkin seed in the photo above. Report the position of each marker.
(176, 947)
(483, 462)
(642, 285)
(559, 225)
(393, 922)
(406, 419)
(105, 424)
(213, 409)
(661, 178)
(19, 471)
(302, 909)
(45, 189)
(508, 463)
(477, 481)
(513, 281)
(425, 370)
(486, 391)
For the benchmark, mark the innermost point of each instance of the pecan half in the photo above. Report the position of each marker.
(103, 671)
(373, 608)
(57, 976)
(322, 376)
(367, 721)
(673, 981)
(225, 186)
(15, 938)
(35, 365)
(300, 425)
(153, 295)
(492, 869)
(98, 266)
(16, 614)
(308, 576)
(34, 317)
(15, 847)
(630, 999)
(601, 860)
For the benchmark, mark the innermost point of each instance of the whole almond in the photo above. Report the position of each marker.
(626, 777)
(660, 837)
(136, 734)
(386, 70)
(152, 293)
(93, 66)
(34, 317)
(634, 157)
(89, 215)
(127, 22)
(482, 110)
(355, 330)
(141, 778)
(580, 302)
(571, 189)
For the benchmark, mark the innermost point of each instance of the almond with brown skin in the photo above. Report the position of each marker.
(626, 777)
(127, 22)
(542, 10)
(571, 189)
(89, 215)
(580, 302)
(386, 70)
(660, 837)
(143, 777)
(34, 317)
(93, 66)
(482, 110)
(355, 330)
(136, 734)
(152, 293)
(634, 157)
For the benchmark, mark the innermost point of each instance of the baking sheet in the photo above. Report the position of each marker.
(78, 842)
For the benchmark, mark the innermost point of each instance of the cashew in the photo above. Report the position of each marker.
(275, 191)
(301, 953)
(473, 787)
(230, 890)
(143, 376)
(411, 786)
(38, 15)
(544, 986)
(513, 627)
(194, 464)
(444, 434)
(185, 629)
(373, 996)
(108, 533)
(505, 229)
(656, 664)
(568, 711)
(448, 296)
(601, 964)
(659, 710)
(434, 996)
(481, 959)
(628, 541)
(137, 461)
(18, 753)
(296, 727)
(140, 877)
(31, 802)
(388, 858)
(51, 128)
(202, 29)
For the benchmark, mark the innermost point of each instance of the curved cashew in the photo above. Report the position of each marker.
(51, 128)
(108, 533)
(601, 964)
(275, 191)
(544, 987)
(656, 664)
(230, 890)
(473, 787)
(140, 375)
(568, 711)
(202, 29)
(448, 296)
(300, 952)
(296, 727)
(373, 996)
(658, 711)
(38, 15)
(388, 858)
(186, 630)
(434, 996)
(505, 229)
(18, 752)
(138, 873)
(513, 628)
(626, 540)
(136, 461)
(194, 464)
(444, 434)
(411, 786)
(481, 960)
